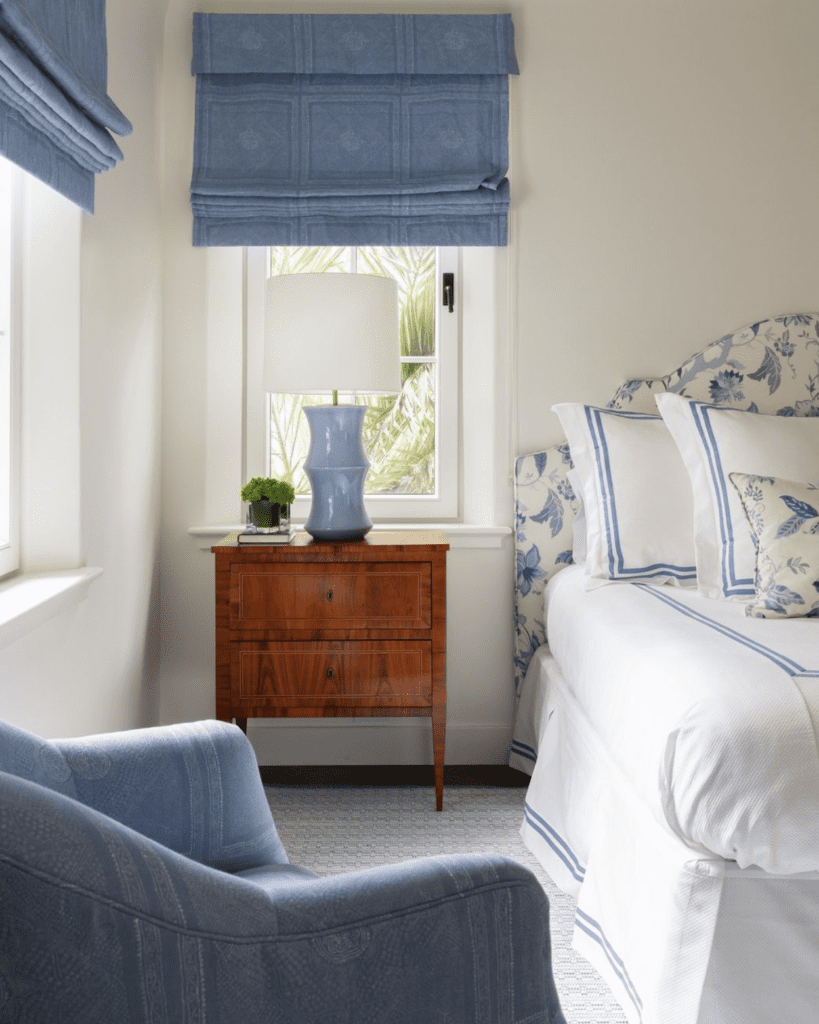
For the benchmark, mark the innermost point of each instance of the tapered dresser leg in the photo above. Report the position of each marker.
(438, 741)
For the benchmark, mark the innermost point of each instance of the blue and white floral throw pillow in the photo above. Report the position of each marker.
(784, 519)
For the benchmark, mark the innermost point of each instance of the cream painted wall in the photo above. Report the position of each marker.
(663, 157)
(664, 180)
(94, 667)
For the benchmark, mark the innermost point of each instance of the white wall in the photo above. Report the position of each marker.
(94, 667)
(664, 182)
(662, 168)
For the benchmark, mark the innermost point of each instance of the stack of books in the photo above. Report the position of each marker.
(247, 537)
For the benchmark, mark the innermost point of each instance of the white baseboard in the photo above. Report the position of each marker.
(304, 741)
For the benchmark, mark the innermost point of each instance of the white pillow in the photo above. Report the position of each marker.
(715, 441)
(636, 495)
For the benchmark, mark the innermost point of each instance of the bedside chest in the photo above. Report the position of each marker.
(334, 629)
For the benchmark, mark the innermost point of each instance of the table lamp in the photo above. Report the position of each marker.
(326, 333)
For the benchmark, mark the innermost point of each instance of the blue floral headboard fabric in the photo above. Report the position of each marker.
(769, 367)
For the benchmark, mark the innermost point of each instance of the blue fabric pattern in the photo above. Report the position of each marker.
(142, 880)
(55, 112)
(783, 516)
(351, 129)
(771, 366)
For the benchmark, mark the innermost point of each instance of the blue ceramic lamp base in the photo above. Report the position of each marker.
(336, 466)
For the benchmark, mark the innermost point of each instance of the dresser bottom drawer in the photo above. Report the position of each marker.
(326, 674)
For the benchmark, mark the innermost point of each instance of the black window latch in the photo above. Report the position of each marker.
(449, 292)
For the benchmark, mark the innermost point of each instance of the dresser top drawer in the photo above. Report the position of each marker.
(331, 595)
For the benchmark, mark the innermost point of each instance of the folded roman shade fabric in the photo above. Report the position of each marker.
(55, 112)
(351, 129)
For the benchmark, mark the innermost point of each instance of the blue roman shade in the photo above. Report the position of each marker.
(351, 129)
(55, 112)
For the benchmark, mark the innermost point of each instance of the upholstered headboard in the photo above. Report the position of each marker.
(769, 367)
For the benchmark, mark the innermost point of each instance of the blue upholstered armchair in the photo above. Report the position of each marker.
(142, 880)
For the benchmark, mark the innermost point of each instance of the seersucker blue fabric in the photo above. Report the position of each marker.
(55, 112)
(142, 880)
(351, 129)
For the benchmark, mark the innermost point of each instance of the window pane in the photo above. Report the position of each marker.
(399, 431)
(303, 259)
(399, 435)
(290, 438)
(414, 270)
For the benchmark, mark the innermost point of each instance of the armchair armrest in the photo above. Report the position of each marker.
(99, 923)
(194, 788)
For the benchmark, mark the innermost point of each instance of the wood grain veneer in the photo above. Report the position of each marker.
(339, 629)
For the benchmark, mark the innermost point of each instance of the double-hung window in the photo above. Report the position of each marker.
(411, 439)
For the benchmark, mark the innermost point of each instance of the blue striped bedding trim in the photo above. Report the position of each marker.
(582, 920)
(782, 661)
(591, 927)
(617, 566)
(523, 750)
(555, 841)
(731, 585)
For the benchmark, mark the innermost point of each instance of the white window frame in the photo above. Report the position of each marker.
(234, 435)
(445, 504)
(10, 378)
(52, 575)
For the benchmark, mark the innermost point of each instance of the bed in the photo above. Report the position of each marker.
(670, 722)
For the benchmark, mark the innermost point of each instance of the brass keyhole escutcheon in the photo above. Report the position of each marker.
(329, 595)
(329, 673)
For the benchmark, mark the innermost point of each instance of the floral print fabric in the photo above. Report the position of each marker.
(784, 520)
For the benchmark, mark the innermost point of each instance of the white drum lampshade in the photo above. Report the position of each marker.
(331, 332)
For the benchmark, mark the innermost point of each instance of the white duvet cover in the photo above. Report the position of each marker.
(712, 716)
(668, 736)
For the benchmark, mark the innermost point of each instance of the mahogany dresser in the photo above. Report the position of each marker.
(327, 629)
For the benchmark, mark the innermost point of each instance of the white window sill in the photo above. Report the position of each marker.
(459, 535)
(30, 599)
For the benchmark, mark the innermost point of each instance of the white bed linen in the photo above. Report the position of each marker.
(680, 937)
(710, 715)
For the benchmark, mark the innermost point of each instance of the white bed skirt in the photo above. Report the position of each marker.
(680, 935)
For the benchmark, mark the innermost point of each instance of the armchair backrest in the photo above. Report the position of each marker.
(195, 788)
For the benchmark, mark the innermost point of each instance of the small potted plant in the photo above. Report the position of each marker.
(268, 499)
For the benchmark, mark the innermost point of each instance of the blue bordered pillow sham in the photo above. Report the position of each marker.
(636, 496)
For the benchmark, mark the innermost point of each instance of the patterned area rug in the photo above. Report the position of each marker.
(334, 829)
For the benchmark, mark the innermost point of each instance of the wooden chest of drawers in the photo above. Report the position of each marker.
(354, 628)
